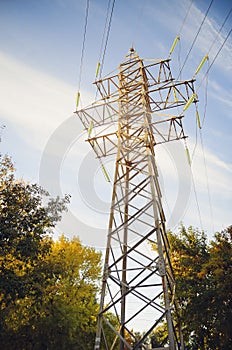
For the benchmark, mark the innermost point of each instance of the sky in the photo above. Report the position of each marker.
(40, 53)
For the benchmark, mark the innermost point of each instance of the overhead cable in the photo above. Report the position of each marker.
(196, 36)
(215, 57)
(82, 52)
(206, 57)
(103, 39)
(107, 37)
(181, 28)
(219, 31)
(184, 20)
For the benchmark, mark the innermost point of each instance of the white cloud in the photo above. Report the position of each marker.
(219, 173)
(38, 104)
(32, 101)
(207, 34)
(221, 94)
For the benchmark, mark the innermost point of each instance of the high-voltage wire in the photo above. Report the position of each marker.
(181, 28)
(196, 36)
(205, 107)
(106, 34)
(83, 43)
(184, 20)
(82, 53)
(103, 39)
(220, 29)
(215, 57)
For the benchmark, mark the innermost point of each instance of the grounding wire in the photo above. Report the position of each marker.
(194, 40)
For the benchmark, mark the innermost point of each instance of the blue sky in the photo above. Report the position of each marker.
(40, 60)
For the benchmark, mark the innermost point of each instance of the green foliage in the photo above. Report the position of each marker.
(203, 273)
(64, 316)
(108, 336)
(76, 271)
(217, 272)
(47, 289)
(24, 222)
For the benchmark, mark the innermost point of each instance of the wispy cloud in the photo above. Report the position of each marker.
(34, 102)
(38, 104)
(207, 35)
(221, 94)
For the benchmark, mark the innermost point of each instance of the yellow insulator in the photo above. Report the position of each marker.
(78, 99)
(98, 68)
(188, 155)
(198, 119)
(175, 96)
(189, 102)
(201, 64)
(105, 173)
(90, 129)
(174, 45)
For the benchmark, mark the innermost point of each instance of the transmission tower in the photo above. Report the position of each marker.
(128, 121)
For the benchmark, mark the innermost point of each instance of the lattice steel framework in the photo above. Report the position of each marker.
(129, 121)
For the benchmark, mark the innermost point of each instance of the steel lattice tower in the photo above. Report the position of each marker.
(128, 122)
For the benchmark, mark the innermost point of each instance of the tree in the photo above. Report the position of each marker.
(24, 222)
(25, 225)
(71, 303)
(48, 289)
(64, 317)
(217, 271)
(203, 287)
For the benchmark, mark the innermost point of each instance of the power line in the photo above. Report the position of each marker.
(107, 37)
(104, 31)
(184, 20)
(206, 76)
(83, 45)
(196, 36)
(181, 27)
(207, 181)
(204, 115)
(197, 202)
(194, 187)
(219, 31)
(179, 34)
(215, 57)
(180, 31)
(101, 61)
